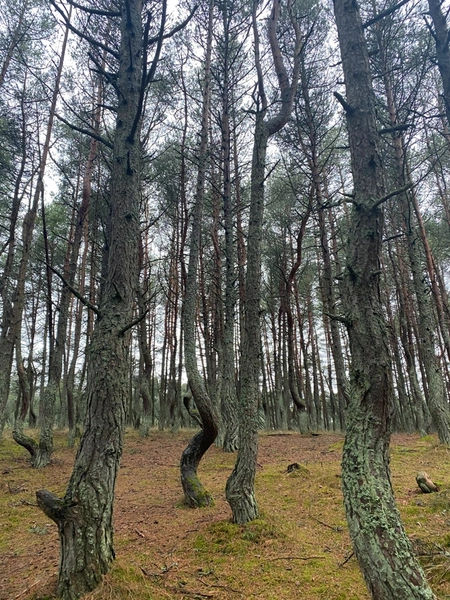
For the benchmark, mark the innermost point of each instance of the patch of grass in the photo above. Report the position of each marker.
(166, 551)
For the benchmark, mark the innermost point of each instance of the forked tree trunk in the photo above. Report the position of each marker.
(381, 545)
(240, 490)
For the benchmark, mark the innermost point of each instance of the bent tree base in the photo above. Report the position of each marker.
(195, 493)
(82, 563)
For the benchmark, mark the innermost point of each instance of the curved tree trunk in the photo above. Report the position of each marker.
(196, 494)
(383, 550)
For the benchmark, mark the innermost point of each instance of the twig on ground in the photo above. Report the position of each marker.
(338, 529)
(296, 558)
(347, 559)
(146, 573)
(15, 490)
(186, 592)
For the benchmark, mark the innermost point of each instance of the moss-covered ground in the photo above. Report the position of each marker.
(299, 548)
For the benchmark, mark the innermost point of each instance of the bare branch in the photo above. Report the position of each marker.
(97, 137)
(392, 194)
(338, 318)
(95, 11)
(394, 128)
(346, 106)
(133, 323)
(175, 29)
(75, 292)
(82, 35)
(384, 13)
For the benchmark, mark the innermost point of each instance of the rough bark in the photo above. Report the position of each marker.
(228, 389)
(84, 515)
(381, 546)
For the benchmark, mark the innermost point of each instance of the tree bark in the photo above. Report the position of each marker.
(441, 35)
(382, 548)
(84, 515)
(196, 495)
(228, 389)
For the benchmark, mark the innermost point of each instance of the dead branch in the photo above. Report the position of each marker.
(338, 529)
(296, 558)
(347, 559)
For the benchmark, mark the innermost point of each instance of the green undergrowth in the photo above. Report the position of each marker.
(297, 548)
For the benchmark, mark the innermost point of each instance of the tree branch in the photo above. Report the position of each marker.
(133, 323)
(94, 11)
(55, 508)
(392, 194)
(75, 292)
(287, 89)
(82, 35)
(384, 13)
(338, 318)
(175, 29)
(346, 106)
(394, 128)
(97, 137)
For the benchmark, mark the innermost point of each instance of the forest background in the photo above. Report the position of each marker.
(182, 203)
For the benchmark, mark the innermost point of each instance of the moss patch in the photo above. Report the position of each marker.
(298, 548)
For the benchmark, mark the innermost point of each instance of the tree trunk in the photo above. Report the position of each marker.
(240, 491)
(441, 37)
(383, 550)
(195, 493)
(228, 389)
(84, 515)
(41, 456)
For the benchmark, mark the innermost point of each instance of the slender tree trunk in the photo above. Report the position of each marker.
(228, 389)
(9, 321)
(240, 485)
(441, 35)
(382, 548)
(194, 491)
(41, 455)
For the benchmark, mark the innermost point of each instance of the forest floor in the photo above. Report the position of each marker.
(299, 548)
